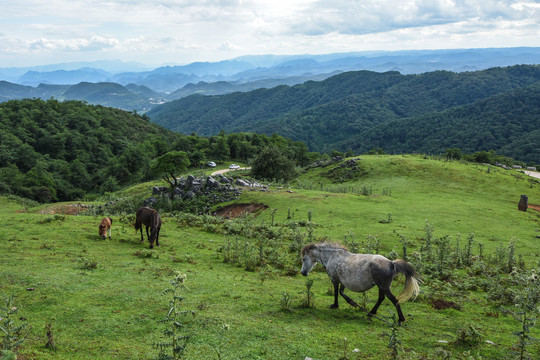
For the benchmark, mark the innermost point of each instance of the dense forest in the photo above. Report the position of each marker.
(57, 151)
(363, 109)
(508, 122)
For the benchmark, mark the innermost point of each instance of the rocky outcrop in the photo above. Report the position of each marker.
(216, 189)
(195, 194)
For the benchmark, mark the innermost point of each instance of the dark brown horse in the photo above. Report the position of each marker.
(151, 219)
(104, 226)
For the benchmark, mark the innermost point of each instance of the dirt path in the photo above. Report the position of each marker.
(535, 174)
(227, 170)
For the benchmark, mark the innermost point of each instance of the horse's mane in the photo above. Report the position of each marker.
(322, 246)
(308, 248)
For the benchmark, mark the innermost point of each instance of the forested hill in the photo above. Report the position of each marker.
(508, 123)
(51, 150)
(343, 111)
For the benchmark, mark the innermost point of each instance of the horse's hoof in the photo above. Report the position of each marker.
(334, 306)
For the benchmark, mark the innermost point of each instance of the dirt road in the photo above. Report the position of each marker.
(535, 174)
(227, 170)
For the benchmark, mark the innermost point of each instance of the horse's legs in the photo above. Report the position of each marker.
(379, 301)
(348, 299)
(147, 236)
(394, 301)
(157, 235)
(335, 305)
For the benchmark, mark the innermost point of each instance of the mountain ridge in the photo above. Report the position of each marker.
(250, 68)
(329, 114)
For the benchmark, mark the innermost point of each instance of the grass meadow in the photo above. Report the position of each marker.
(244, 298)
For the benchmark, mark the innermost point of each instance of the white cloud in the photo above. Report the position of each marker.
(209, 30)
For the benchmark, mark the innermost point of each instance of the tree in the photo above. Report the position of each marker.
(169, 165)
(219, 150)
(197, 157)
(273, 165)
(454, 153)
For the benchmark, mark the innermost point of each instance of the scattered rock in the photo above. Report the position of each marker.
(506, 167)
(216, 190)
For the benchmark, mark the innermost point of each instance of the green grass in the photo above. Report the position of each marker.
(113, 311)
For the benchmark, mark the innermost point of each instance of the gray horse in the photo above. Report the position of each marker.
(151, 219)
(359, 273)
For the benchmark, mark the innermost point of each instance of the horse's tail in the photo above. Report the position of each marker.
(137, 225)
(411, 289)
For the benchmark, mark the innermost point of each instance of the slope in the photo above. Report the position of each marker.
(107, 295)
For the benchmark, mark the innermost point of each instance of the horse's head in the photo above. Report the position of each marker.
(104, 226)
(309, 258)
(102, 231)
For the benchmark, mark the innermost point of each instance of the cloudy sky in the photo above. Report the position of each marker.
(156, 32)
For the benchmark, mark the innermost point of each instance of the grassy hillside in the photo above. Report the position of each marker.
(339, 112)
(103, 298)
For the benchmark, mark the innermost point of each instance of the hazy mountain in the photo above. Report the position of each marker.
(339, 112)
(143, 91)
(48, 91)
(168, 79)
(64, 76)
(10, 91)
(225, 87)
(108, 94)
(132, 97)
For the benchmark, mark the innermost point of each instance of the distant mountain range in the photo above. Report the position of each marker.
(246, 69)
(335, 101)
(493, 109)
(134, 86)
(134, 97)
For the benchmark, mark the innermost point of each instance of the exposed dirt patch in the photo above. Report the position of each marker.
(441, 304)
(236, 210)
(534, 207)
